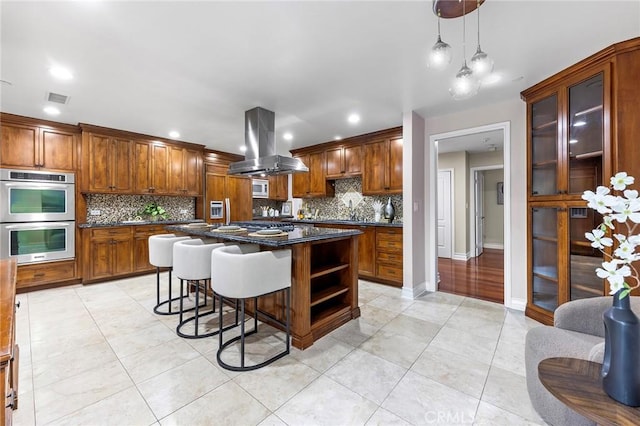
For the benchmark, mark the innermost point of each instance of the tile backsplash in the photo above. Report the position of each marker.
(117, 208)
(337, 207)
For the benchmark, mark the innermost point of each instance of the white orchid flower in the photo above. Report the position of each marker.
(613, 274)
(600, 200)
(627, 210)
(596, 239)
(625, 251)
(631, 194)
(608, 222)
(621, 180)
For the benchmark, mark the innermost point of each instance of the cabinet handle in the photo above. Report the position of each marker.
(534, 192)
(18, 304)
(38, 275)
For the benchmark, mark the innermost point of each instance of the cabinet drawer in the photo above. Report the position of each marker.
(46, 273)
(390, 257)
(390, 272)
(110, 232)
(140, 231)
(395, 244)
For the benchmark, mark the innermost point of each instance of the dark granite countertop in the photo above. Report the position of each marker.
(298, 235)
(345, 222)
(137, 222)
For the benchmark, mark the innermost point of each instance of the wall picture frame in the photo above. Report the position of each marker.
(500, 189)
(286, 208)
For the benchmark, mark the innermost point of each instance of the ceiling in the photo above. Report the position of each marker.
(195, 67)
(473, 143)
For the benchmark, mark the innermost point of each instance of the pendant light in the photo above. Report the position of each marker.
(481, 63)
(465, 85)
(440, 55)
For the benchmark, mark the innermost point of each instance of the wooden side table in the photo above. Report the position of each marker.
(577, 383)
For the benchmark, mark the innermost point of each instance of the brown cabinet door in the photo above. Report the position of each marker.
(100, 163)
(100, 259)
(353, 160)
(176, 170)
(141, 252)
(19, 145)
(192, 172)
(395, 165)
(122, 173)
(278, 187)
(215, 186)
(122, 255)
(142, 161)
(300, 181)
(367, 251)
(317, 180)
(335, 162)
(58, 150)
(375, 176)
(160, 168)
(239, 192)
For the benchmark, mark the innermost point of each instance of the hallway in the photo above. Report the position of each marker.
(480, 277)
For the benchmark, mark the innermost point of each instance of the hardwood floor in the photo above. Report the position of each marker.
(481, 277)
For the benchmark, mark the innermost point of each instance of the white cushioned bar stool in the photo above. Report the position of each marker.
(192, 263)
(243, 272)
(161, 256)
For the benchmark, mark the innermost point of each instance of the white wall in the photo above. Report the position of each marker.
(513, 111)
(493, 212)
(458, 162)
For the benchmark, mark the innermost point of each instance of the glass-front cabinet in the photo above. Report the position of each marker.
(545, 231)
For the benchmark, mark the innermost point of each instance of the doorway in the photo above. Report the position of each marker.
(437, 143)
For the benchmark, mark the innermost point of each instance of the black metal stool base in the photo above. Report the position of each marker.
(197, 315)
(159, 304)
(222, 346)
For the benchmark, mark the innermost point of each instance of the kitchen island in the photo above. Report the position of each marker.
(324, 275)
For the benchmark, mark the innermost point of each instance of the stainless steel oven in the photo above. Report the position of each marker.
(36, 196)
(38, 241)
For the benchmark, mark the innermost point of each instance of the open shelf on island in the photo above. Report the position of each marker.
(327, 311)
(327, 293)
(320, 270)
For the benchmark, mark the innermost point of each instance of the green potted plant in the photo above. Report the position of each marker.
(154, 211)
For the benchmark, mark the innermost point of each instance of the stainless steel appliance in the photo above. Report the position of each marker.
(30, 196)
(37, 215)
(216, 211)
(260, 188)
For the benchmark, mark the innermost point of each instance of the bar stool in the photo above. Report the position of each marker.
(243, 272)
(161, 256)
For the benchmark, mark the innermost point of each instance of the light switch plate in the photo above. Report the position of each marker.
(95, 212)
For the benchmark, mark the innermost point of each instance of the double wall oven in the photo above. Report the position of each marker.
(37, 215)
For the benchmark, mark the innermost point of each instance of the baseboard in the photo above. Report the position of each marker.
(517, 304)
(497, 246)
(415, 291)
(461, 256)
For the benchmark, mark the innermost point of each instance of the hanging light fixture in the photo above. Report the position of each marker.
(465, 85)
(440, 55)
(481, 63)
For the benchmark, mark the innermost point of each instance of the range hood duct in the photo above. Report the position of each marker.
(259, 140)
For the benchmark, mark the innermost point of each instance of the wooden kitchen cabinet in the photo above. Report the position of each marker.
(151, 160)
(107, 252)
(141, 234)
(30, 146)
(37, 274)
(185, 171)
(9, 351)
(279, 187)
(219, 186)
(107, 159)
(382, 172)
(343, 162)
(580, 132)
(314, 183)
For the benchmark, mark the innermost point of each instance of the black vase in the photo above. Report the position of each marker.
(621, 365)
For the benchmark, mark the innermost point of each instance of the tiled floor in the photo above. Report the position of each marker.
(97, 354)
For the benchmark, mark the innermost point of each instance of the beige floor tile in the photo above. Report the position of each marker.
(431, 310)
(383, 417)
(323, 354)
(398, 349)
(420, 400)
(510, 356)
(229, 404)
(465, 343)
(158, 359)
(325, 402)
(69, 395)
(272, 420)
(459, 372)
(490, 415)
(391, 303)
(25, 415)
(375, 316)
(508, 391)
(73, 341)
(123, 408)
(412, 327)
(173, 389)
(367, 375)
(354, 332)
(140, 340)
(275, 385)
(55, 368)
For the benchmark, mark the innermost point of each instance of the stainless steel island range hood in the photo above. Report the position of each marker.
(260, 157)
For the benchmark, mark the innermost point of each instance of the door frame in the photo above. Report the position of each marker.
(452, 228)
(472, 201)
(505, 126)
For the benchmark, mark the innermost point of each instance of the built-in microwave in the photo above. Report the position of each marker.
(36, 196)
(260, 188)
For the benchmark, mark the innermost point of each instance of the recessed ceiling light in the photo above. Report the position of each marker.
(287, 136)
(173, 134)
(337, 138)
(353, 118)
(51, 110)
(579, 123)
(243, 148)
(573, 141)
(60, 73)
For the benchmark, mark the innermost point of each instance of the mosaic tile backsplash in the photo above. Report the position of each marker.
(117, 208)
(346, 190)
